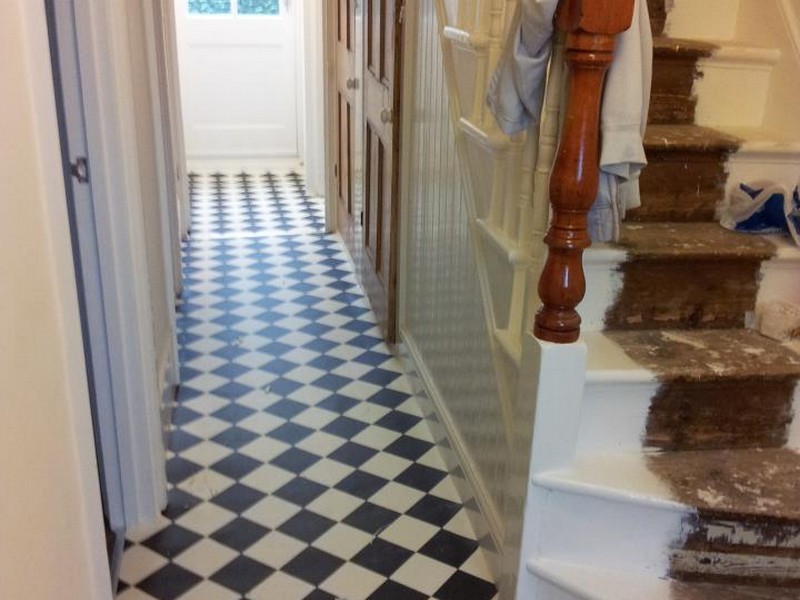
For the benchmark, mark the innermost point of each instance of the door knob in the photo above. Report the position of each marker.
(352, 84)
(386, 116)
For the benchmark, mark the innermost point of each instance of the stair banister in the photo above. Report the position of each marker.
(592, 27)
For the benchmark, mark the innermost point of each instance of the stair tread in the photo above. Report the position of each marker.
(707, 354)
(602, 584)
(694, 138)
(672, 240)
(753, 482)
(742, 484)
(669, 46)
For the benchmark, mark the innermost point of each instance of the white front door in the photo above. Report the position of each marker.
(238, 77)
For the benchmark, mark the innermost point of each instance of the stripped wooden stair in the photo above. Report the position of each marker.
(720, 420)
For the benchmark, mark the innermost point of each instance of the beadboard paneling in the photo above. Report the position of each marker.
(444, 314)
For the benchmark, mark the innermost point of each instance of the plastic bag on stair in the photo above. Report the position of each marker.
(763, 207)
(793, 215)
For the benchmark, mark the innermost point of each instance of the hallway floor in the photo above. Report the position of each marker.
(300, 465)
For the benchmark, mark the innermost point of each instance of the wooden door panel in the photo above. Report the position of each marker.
(373, 201)
(388, 52)
(345, 125)
(381, 112)
(344, 20)
(344, 154)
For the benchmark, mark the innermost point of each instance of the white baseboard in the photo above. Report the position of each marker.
(484, 499)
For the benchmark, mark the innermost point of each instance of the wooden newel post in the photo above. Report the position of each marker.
(592, 27)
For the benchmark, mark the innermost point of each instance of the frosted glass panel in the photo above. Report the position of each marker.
(259, 7)
(209, 7)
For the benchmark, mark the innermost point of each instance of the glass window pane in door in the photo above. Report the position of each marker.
(259, 7)
(209, 7)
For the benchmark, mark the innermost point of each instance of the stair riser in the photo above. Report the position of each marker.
(736, 569)
(707, 532)
(681, 186)
(614, 416)
(707, 20)
(582, 529)
(752, 163)
(544, 590)
(666, 109)
(621, 417)
(658, 15)
(726, 414)
(603, 282)
(672, 99)
(734, 87)
(671, 293)
(706, 88)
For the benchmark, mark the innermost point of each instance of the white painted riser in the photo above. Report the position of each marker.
(603, 282)
(563, 581)
(614, 416)
(707, 20)
(769, 160)
(733, 89)
(544, 590)
(585, 528)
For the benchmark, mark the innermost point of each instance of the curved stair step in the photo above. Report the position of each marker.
(739, 509)
(586, 583)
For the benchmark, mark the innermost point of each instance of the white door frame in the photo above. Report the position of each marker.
(329, 98)
(313, 57)
(89, 521)
(111, 131)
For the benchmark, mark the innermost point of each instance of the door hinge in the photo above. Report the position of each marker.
(80, 169)
(336, 170)
(361, 218)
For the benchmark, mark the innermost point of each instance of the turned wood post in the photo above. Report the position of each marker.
(592, 27)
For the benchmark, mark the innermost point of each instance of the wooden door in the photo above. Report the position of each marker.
(345, 114)
(382, 72)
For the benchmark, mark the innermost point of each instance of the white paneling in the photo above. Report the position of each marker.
(444, 312)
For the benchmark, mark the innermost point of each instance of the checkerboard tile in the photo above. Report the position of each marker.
(300, 465)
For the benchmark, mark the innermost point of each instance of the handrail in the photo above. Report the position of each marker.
(592, 27)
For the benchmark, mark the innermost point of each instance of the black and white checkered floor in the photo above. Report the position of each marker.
(300, 465)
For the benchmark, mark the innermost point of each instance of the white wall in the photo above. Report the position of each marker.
(776, 24)
(51, 545)
(443, 312)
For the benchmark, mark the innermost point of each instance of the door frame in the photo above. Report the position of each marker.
(89, 521)
(111, 133)
(329, 98)
(313, 60)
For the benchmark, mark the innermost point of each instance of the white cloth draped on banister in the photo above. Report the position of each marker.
(516, 94)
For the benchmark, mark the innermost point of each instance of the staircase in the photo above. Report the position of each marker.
(683, 477)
